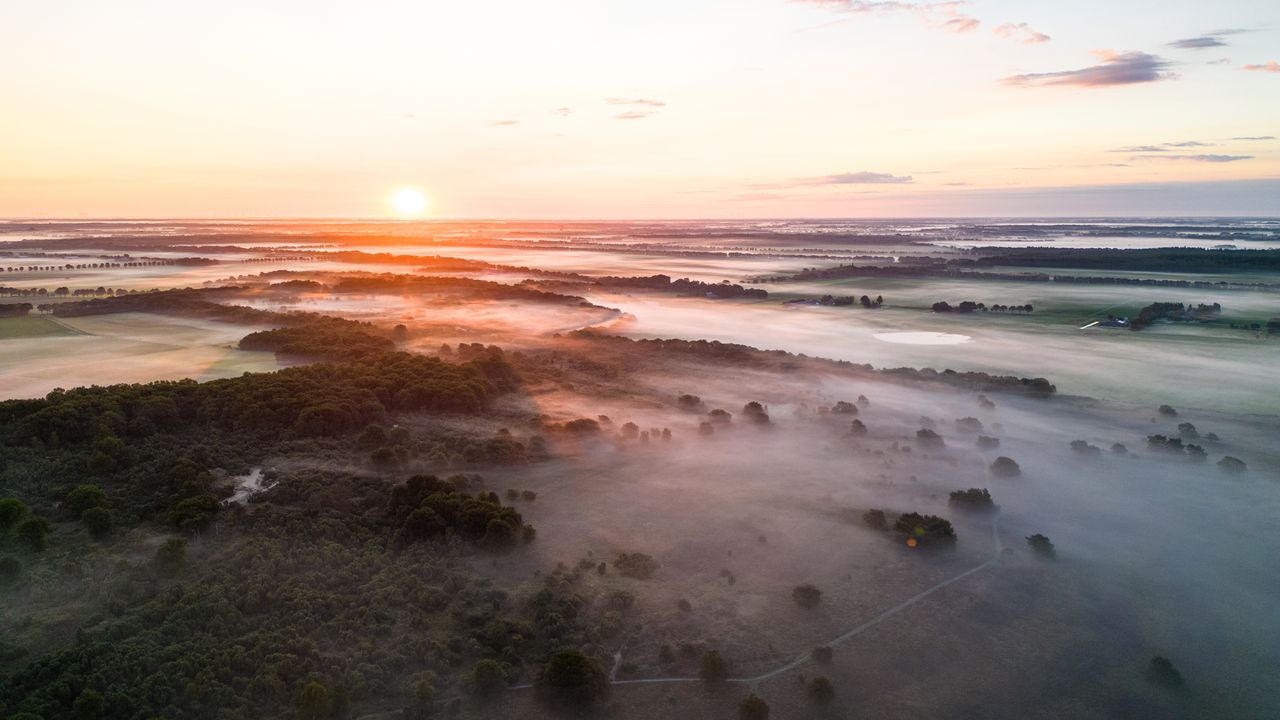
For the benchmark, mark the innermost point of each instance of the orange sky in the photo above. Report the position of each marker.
(667, 109)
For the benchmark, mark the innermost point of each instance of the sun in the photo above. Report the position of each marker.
(408, 201)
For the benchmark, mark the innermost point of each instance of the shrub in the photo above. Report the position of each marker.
(753, 708)
(171, 557)
(33, 531)
(11, 511)
(858, 428)
(571, 680)
(820, 690)
(1041, 545)
(1168, 411)
(929, 439)
(1162, 672)
(806, 596)
(924, 528)
(875, 519)
(973, 499)
(713, 668)
(98, 520)
(488, 678)
(988, 443)
(1232, 465)
(84, 497)
(822, 654)
(10, 569)
(636, 565)
(1005, 467)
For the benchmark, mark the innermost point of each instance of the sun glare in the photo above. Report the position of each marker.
(408, 201)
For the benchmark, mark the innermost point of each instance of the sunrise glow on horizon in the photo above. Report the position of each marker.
(765, 108)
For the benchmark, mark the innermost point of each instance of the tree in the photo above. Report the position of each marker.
(1168, 411)
(875, 519)
(488, 678)
(1232, 465)
(313, 702)
(822, 654)
(88, 706)
(973, 499)
(820, 690)
(756, 413)
(929, 439)
(1041, 546)
(171, 556)
(1162, 672)
(924, 528)
(11, 511)
(636, 565)
(571, 680)
(98, 520)
(84, 497)
(33, 531)
(1005, 467)
(753, 708)
(858, 428)
(806, 596)
(713, 668)
(10, 569)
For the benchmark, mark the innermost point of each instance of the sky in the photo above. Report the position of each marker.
(601, 109)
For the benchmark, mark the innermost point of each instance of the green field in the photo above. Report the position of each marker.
(30, 326)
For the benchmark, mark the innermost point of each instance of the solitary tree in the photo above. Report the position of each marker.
(713, 668)
(571, 680)
(753, 708)
(313, 702)
(820, 690)
(806, 596)
(33, 531)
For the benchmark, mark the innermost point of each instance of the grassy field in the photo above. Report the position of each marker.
(32, 326)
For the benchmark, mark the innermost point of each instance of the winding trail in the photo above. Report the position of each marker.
(996, 549)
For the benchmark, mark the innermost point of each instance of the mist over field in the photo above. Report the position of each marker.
(481, 477)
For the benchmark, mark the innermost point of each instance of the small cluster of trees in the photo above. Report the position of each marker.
(1005, 467)
(969, 306)
(972, 500)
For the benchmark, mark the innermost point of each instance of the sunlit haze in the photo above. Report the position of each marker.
(756, 108)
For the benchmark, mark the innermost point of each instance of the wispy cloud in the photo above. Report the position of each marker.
(945, 15)
(562, 112)
(1021, 32)
(1139, 149)
(1255, 137)
(1126, 68)
(1270, 66)
(1219, 61)
(632, 115)
(858, 178)
(635, 101)
(1195, 158)
(505, 123)
(1198, 43)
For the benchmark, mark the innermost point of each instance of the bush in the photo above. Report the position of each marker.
(1232, 465)
(713, 668)
(973, 499)
(33, 531)
(822, 654)
(929, 439)
(756, 413)
(806, 596)
(1041, 546)
(636, 565)
(1080, 447)
(924, 528)
(171, 557)
(988, 443)
(1168, 411)
(10, 569)
(1162, 672)
(858, 428)
(488, 679)
(753, 708)
(571, 680)
(98, 520)
(875, 519)
(820, 690)
(1005, 467)
(84, 497)
(11, 511)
